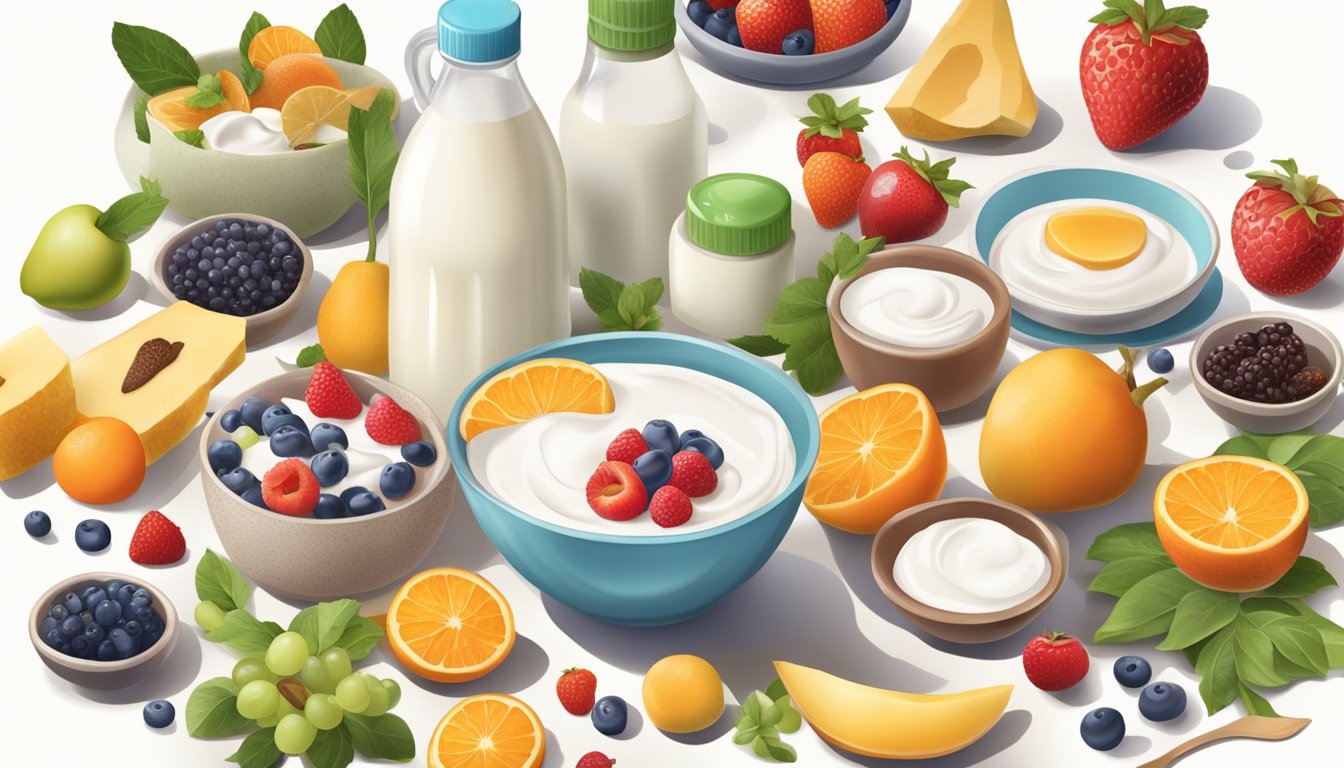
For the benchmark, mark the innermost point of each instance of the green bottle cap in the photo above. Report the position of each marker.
(631, 25)
(738, 214)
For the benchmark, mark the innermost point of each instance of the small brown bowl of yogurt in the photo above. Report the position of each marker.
(922, 315)
(970, 570)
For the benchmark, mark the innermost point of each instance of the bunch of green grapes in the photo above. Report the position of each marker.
(299, 694)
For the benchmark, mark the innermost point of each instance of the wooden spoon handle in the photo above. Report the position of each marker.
(1242, 728)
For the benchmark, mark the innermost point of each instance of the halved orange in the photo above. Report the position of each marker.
(273, 42)
(491, 730)
(1232, 523)
(450, 625)
(531, 389)
(309, 108)
(882, 451)
(171, 107)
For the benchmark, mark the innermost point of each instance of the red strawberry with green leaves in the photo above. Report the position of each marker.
(764, 23)
(1287, 231)
(831, 128)
(1143, 68)
(907, 198)
(842, 23)
(833, 183)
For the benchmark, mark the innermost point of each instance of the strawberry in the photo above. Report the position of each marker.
(595, 760)
(628, 446)
(577, 688)
(764, 23)
(1142, 71)
(693, 474)
(832, 183)
(717, 4)
(390, 424)
(831, 128)
(1287, 231)
(907, 198)
(329, 395)
(842, 23)
(290, 488)
(157, 541)
(615, 491)
(670, 507)
(1055, 661)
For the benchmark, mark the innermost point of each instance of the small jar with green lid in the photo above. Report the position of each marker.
(730, 254)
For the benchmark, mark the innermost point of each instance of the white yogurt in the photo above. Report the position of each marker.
(1164, 267)
(970, 565)
(914, 307)
(259, 132)
(541, 467)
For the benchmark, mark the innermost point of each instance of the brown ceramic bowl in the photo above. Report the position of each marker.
(105, 675)
(950, 376)
(969, 627)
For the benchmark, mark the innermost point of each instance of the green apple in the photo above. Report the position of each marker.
(73, 265)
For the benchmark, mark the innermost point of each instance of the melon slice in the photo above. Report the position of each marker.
(166, 402)
(970, 82)
(37, 400)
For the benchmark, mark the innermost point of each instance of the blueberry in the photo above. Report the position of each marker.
(329, 506)
(326, 435)
(46, 625)
(159, 714)
(37, 523)
(270, 415)
(112, 586)
(94, 633)
(72, 602)
(253, 496)
(93, 535)
(141, 597)
(93, 598)
(421, 453)
(80, 645)
(238, 480)
(124, 595)
(251, 411)
(734, 37)
(1103, 729)
(230, 420)
(654, 469)
(134, 628)
(699, 11)
(609, 715)
(330, 468)
(288, 441)
(1132, 671)
(396, 480)
(799, 43)
(365, 503)
(1161, 361)
(720, 22)
(53, 637)
(892, 5)
(224, 455)
(1158, 702)
(58, 612)
(708, 448)
(350, 493)
(661, 435)
(71, 626)
(123, 642)
(107, 650)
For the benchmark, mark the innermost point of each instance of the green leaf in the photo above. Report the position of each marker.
(1146, 610)
(1331, 473)
(1299, 642)
(242, 632)
(761, 345)
(1200, 614)
(1283, 449)
(1130, 540)
(332, 749)
(212, 710)
(1306, 577)
(1152, 11)
(258, 750)
(776, 690)
(745, 734)
(1327, 500)
(195, 138)
(632, 306)
(801, 302)
(323, 624)
(250, 75)
(386, 737)
(132, 214)
(843, 251)
(1218, 670)
(751, 710)
(1185, 16)
(220, 582)
(771, 713)
(793, 719)
(600, 292)
(775, 749)
(155, 61)
(1118, 576)
(373, 158)
(1331, 633)
(1328, 449)
(1254, 655)
(340, 37)
(1110, 17)
(1255, 703)
(310, 355)
(611, 320)
(209, 92)
(1243, 445)
(360, 637)
(140, 113)
(652, 290)
(812, 355)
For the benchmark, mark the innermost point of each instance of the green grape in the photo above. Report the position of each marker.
(393, 693)
(314, 675)
(294, 734)
(379, 698)
(209, 616)
(287, 653)
(323, 711)
(258, 699)
(249, 669)
(285, 709)
(352, 694)
(337, 663)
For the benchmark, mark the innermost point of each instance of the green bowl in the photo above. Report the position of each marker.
(307, 190)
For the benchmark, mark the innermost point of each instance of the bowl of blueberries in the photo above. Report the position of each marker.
(238, 264)
(103, 630)
(741, 37)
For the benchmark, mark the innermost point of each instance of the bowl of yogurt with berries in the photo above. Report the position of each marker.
(650, 497)
(325, 483)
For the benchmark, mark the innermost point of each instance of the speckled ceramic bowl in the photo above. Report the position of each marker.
(104, 675)
(316, 559)
(308, 190)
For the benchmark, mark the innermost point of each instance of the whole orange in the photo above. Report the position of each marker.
(101, 461)
(290, 73)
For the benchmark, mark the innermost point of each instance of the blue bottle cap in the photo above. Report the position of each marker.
(480, 31)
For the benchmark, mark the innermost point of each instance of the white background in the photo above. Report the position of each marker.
(815, 602)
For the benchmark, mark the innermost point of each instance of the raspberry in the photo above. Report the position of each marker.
(290, 488)
(692, 473)
(628, 446)
(670, 507)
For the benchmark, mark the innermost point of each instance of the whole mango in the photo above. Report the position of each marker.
(352, 319)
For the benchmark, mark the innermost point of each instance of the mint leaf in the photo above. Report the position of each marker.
(751, 709)
(1118, 576)
(1130, 540)
(195, 138)
(745, 734)
(360, 637)
(600, 292)
(1299, 642)
(140, 113)
(1218, 670)
(323, 624)
(220, 582)
(1146, 609)
(340, 37)
(1255, 703)
(250, 75)
(386, 737)
(762, 345)
(258, 750)
(635, 309)
(842, 252)
(332, 749)
(244, 633)
(1306, 577)
(771, 713)
(310, 355)
(611, 320)
(373, 158)
(793, 719)
(776, 690)
(769, 746)
(133, 214)
(652, 290)
(813, 358)
(155, 61)
(1198, 615)
(212, 710)
(209, 92)
(1253, 653)
(800, 303)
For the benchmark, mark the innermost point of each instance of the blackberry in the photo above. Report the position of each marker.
(236, 267)
(1262, 367)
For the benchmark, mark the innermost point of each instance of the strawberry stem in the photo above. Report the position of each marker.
(831, 120)
(937, 174)
(1153, 18)
(1313, 198)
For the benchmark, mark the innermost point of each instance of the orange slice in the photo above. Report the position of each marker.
(310, 108)
(450, 625)
(882, 451)
(531, 389)
(1232, 523)
(171, 107)
(363, 98)
(273, 42)
(490, 730)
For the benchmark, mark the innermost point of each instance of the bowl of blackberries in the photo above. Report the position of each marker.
(103, 630)
(791, 42)
(1267, 372)
(237, 264)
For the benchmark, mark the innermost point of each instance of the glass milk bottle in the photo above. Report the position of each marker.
(477, 212)
(634, 137)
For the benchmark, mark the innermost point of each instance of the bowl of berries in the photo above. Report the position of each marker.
(237, 264)
(791, 42)
(1267, 372)
(326, 483)
(103, 630)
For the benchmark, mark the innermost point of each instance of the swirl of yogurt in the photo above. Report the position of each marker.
(913, 307)
(970, 565)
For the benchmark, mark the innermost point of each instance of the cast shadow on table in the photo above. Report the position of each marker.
(554, 757)
(975, 410)
(1049, 124)
(176, 675)
(1328, 294)
(1007, 732)
(137, 288)
(304, 318)
(1223, 119)
(526, 664)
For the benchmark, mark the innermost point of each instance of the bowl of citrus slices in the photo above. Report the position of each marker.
(259, 129)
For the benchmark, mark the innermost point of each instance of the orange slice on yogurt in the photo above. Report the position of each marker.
(535, 388)
(1097, 238)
